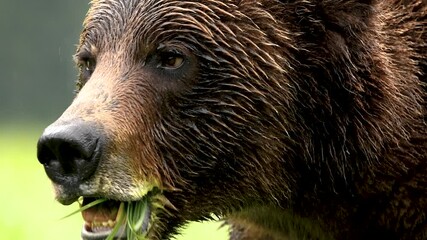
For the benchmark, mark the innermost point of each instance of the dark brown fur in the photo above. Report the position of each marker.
(291, 119)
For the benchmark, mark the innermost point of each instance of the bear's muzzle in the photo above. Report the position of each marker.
(70, 152)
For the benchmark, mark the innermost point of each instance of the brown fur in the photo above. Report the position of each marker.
(299, 119)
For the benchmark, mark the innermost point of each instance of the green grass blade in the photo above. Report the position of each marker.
(135, 218)
(120, 220)
(81, 209)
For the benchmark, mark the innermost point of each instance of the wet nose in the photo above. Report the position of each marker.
(70, 152)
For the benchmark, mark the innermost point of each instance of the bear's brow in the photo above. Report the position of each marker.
(153, 21)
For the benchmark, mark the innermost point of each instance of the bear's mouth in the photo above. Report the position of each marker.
(115, 220)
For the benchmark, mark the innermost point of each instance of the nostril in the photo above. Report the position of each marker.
(62, 155)
(69, 153)
(44, 153)
(72, 157)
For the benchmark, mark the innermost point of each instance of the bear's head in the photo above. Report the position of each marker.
(204, 107)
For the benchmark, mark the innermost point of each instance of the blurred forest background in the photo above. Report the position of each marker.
(37, 75)
(37, 42)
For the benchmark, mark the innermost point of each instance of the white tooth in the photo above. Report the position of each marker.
(95, 224)
(111, 223)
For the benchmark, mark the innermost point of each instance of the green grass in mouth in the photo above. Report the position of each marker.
(134, 215)
(85, 207)
(136, 212)
(120, 220)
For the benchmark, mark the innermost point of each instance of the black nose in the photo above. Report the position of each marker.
(70, 152)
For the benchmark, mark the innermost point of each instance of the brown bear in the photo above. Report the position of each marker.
(292, 119)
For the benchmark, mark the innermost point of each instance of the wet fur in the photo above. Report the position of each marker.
(296, 119)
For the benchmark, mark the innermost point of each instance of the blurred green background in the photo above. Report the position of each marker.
(37, 41)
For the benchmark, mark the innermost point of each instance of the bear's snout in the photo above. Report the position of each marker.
(70, 152)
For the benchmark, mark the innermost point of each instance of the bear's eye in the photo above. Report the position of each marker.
(171, 60)
(86, 64)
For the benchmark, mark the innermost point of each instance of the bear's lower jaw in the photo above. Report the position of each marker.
(104, 234)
